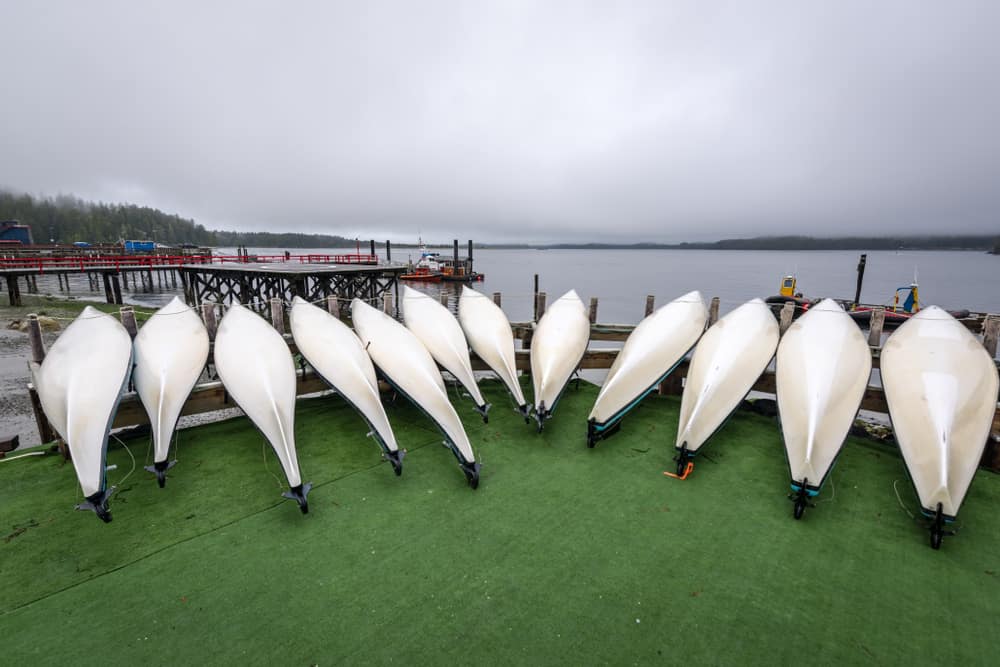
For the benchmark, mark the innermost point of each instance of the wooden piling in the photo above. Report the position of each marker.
(45, 431)
(496, 299)
(785, 319)
(540, 306)
(875, 325)
(444, 299)
(127, 315)
(991, 330)
(278, 315)
(208, 317)
(116, 288)
(387, 303)
(593, 310)
(108, 294)
(35, 338)
(650, 300)
(713, 311)
(535, 308)
(332, 305)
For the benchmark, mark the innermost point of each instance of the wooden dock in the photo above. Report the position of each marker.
(258, 283)
(212, 396)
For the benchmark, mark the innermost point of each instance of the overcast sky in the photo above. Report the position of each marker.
(513, 121)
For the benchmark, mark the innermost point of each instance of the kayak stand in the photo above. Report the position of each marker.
(298, 494)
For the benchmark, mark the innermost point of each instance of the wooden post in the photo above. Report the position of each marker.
(540, 306)
(332, 305)
(496, 299)
(127, 315)
(713, 311)
(991, 329)
(388, 251)
(535, 307)
(125, 281)
(14, 290)
(208, 315)
(35, 337)
(650, 300)
(785, 320)
(278, 315)
(444, 299)
(875, 325)
(593, 310)
(116, 288)
(108, 294)
(45, 432)
(387, 303)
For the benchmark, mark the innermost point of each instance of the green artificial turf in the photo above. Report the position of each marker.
(564, 554)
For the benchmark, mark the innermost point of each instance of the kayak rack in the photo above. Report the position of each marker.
(211, 396)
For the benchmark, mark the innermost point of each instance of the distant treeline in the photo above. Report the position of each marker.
(66, 219)
(283, 240)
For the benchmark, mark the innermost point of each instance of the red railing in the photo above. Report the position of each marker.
(82, 263)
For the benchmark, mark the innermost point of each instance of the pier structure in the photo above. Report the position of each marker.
(257, 283)
(348, 275)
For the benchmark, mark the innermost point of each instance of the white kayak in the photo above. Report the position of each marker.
(442, 335)
(941, 387)
(409, 368)
(256, 367)
(729, 359)
(557, 347)
(823, 365)
(170, 353)
(488, 332)
(338, 356)
(79, 385)
(650, 354)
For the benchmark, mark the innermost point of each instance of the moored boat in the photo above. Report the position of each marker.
(729, 359)
(941, 387)
(442, 335)
(489, 334)
(557, 347)
(171, 350)
(649, 355)
(338, 356)
(256, 367)
(823, 365)
(79, 385)
(411, 370)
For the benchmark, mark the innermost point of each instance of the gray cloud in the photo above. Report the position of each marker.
(513, 121)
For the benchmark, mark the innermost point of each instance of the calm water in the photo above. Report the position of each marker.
(621, 279)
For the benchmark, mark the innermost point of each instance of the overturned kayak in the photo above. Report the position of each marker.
(256, 367)
(729, 359)
(557, 347)
(408, 367)
(941, 387)
(340, 359)
(442, 335)
(650, 354)
(488, 332)
(823, 364)
(79, 385)
(170, 353)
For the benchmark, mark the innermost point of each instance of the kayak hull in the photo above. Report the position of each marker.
(823, 366)
(171, 350)
(729, 359)
(941, 386)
